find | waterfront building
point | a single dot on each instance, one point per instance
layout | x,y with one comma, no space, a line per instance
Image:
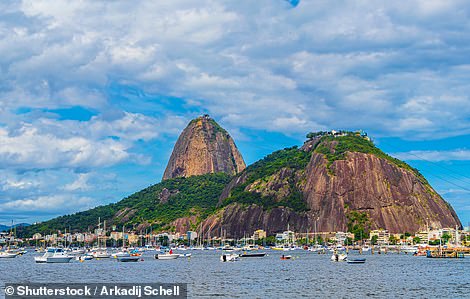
259,234
383,236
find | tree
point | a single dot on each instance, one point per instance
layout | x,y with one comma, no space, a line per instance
374,240
358,224
392,240
416,240
445,238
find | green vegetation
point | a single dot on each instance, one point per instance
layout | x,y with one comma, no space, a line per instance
405,236
392,240
416,240
445,238
335,148
195,195
374,240
358,224
291,158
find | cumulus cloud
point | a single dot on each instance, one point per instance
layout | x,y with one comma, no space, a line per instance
360,64
393,69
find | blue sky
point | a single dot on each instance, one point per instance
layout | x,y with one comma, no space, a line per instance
94,94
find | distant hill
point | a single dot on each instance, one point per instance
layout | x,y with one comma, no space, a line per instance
4,228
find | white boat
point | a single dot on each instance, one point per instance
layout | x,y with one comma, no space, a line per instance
85,257
101,254
250,247
339,257
229,257
7,255
77,251
166,256
185,254
316,248
54,255
120,254
408,249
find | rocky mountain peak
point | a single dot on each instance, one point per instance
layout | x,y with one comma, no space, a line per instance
204,147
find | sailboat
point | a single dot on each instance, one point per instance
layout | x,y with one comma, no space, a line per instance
101,253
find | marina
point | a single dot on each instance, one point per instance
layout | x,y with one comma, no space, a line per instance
383,275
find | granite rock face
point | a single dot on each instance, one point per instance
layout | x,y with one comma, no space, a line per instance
204,147
393,197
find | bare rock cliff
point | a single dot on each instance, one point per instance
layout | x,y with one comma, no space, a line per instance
391,194
204,147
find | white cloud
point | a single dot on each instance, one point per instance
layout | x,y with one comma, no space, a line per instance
356,65
435,156
52,203
393,69
30,148
81,183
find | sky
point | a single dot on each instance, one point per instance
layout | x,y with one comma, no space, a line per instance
93,94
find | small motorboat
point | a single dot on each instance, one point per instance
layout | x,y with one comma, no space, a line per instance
229,257
7,255
356,261
185,254
286,257
339,257
85,257
166,256
54,255
253,254
128,258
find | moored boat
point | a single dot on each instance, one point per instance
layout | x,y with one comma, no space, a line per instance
166,256
54,255
444,253
7,255
339,257
229,257
128,258
253,254
356,261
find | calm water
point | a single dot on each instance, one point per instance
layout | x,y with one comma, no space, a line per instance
309,275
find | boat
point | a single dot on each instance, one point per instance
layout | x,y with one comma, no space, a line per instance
166,256
85,257
408,249
253,254
444,253
54,255
286,257
339,257
77,251
128,258
184,254
356,261
101,254
7,255
250,247
229,257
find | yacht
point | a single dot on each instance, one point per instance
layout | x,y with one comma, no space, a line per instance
101,254
54,255
7,255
